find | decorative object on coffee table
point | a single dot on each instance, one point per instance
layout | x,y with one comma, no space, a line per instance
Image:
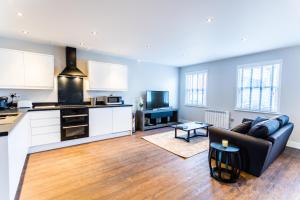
191,127
227,162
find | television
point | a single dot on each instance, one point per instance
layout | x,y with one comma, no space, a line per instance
157,99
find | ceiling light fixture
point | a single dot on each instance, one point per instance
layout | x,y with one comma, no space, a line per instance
94,33
25,32
209,20
81,44
20,14
244,39
148,46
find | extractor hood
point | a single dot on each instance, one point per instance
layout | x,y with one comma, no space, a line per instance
71,70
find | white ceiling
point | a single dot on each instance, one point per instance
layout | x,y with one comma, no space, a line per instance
170,32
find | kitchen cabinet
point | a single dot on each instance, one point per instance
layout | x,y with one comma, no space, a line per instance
38,70
26,70
44,127
100,121
107,76
122,119
12,69
18,143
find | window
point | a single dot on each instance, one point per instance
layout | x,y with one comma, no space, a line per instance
195,88
258,87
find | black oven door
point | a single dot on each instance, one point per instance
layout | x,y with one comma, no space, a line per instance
74,124
74,132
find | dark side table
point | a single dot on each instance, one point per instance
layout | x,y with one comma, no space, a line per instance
227,162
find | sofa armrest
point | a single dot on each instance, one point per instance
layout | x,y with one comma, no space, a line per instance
254,151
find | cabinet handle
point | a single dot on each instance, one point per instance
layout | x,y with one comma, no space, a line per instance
70,116
67,127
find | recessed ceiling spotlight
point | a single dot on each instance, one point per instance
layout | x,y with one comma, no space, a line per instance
209,20
94,33
20,14
81,44
25,32
244,39
148,46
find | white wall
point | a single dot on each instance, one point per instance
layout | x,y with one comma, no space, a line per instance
142,76
222,86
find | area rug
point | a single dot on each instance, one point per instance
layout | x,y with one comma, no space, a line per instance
179,147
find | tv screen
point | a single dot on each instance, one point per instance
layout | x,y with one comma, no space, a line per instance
157,99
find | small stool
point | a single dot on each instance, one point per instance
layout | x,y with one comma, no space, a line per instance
230,156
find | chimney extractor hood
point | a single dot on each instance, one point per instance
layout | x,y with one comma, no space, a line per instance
71,69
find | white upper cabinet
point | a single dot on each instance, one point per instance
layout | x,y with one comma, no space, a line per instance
12,69
39,70
25,70
107,76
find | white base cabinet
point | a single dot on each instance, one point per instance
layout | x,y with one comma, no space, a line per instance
44,127
100,121
122,119
109,120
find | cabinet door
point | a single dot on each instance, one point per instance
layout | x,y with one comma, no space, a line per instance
11,69
122,119
107,76
18,142
39,70
100,121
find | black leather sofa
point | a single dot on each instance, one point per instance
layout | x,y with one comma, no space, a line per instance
257,154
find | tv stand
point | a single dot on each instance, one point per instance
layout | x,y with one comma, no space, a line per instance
158,118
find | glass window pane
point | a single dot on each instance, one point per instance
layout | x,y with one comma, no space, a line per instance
256,76
239,98
276,75
275,100
200,81
255,98
245,99
240,74
200,93
195,81
267,76
246,77
265,99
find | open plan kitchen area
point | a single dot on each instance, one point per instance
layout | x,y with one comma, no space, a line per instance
28,127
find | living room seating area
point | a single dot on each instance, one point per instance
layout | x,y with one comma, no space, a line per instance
260,141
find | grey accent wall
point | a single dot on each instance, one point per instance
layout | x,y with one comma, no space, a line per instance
142,76
222,86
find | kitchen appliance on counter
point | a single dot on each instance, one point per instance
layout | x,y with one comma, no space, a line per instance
74,122
24,104
3,103
109,100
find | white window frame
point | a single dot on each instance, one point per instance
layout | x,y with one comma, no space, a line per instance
272,62
185,93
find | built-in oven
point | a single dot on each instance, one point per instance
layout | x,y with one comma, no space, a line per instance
74,123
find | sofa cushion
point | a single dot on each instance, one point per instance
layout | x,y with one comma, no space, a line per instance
243,127
282,119
258,120
264,129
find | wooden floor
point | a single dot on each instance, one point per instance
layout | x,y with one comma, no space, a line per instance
132,168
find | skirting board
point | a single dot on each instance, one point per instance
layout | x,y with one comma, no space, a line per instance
293,144
68,143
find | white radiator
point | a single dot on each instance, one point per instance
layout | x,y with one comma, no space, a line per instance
218,118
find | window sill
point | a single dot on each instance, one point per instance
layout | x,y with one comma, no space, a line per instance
197,106
260,112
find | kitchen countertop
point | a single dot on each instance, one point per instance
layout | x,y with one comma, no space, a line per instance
6,128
